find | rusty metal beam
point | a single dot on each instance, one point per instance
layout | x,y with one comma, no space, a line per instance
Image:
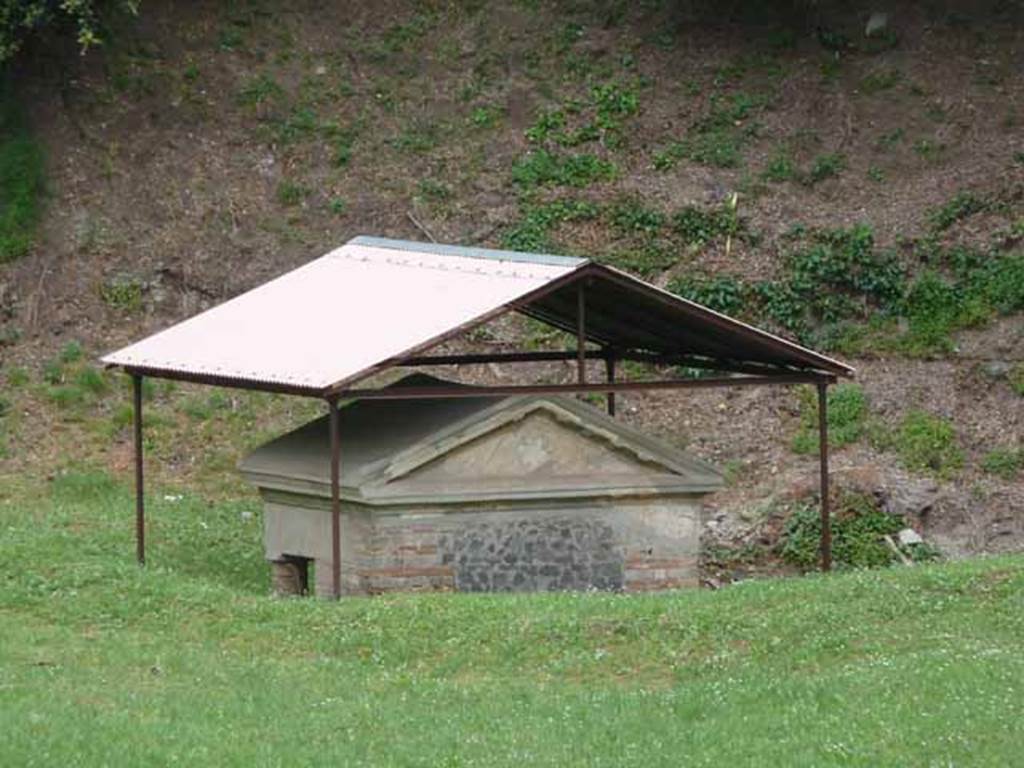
826,518
609,370
581,333
140,503
592,354
223,381
335,428
467,390
480,358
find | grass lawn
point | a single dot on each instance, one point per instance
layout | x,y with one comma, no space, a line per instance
190,662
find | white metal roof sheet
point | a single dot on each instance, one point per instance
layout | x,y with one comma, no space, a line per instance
344,313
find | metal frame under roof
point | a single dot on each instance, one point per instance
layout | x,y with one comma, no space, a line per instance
376,303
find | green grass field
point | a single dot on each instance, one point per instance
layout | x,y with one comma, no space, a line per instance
189,661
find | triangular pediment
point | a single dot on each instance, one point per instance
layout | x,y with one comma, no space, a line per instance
539,447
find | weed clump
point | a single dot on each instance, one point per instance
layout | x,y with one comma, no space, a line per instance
925,443
1016,379
722,293
533,232
859,527
1006,463
542,168
847,414
826,167
22,178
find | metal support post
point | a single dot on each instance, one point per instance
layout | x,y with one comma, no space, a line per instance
140,504
609,367
826,520
581,335
335,428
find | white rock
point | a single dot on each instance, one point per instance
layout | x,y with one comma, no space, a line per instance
876,23
909,536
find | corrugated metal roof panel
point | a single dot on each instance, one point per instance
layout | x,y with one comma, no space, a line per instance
340,315
373,300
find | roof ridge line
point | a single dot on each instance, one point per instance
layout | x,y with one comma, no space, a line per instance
468,252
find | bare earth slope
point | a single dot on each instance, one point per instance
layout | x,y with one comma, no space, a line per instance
212,146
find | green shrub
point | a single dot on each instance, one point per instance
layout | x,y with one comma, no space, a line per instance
880,80
541,168
837,277
718,139
91,380
22,178
722,293
599,118
975,287
960,207
648,258
1016,379
486,116
847,413
858,530
924,443
532,233
630,216
19,19
1007,463
71,352
123,293
780,167
17,377
417,138
433,190
667,158
290,193
67,396
697,226
825,167
259,89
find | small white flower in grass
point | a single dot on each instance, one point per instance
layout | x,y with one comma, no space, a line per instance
173,497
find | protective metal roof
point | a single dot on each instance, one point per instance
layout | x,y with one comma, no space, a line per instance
373,301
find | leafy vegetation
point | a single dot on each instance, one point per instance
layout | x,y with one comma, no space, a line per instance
599,119
1007,463
19,19
925,443
825,167
22,179
824,283
122,292
858,530
1016,379
961,206
698,226
837,290
532,233
541,168
102,659
780,167
720,136
847,416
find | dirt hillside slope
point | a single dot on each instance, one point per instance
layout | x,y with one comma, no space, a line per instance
761,163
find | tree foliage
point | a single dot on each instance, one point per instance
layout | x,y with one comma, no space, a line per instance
19,19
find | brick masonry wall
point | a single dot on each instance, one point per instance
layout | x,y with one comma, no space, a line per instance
631,544
622,545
